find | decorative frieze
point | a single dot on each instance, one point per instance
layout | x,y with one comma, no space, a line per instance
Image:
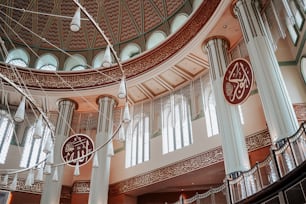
210,157
36,188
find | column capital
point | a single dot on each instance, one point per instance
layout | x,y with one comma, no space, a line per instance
104,96
216,37
65,100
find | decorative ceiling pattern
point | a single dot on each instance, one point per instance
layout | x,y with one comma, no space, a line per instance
122,21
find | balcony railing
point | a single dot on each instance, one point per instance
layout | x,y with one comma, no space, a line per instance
290,153
284,158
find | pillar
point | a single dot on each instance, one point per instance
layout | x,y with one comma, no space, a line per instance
52,189
100,175
234,148
278,109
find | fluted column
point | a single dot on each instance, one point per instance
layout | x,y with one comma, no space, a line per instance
278,110
230,129
52,189
100,175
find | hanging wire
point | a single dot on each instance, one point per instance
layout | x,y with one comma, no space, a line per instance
21,87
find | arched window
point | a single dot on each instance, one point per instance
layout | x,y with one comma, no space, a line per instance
178,21
6,132
196,4
18,57
47,62
155,38
138,139
75,62
33,148
176,123
129,51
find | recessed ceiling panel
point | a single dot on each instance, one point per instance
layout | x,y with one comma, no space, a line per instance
172,78
136,94
191,67
154,87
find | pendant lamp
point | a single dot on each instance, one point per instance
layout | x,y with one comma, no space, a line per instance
38,131
19,115
75,24
107,59
122,89
126,113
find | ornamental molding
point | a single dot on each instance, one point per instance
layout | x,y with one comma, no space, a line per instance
36,188
95,78
255,141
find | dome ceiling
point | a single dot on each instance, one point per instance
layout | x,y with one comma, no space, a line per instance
121,20
165,68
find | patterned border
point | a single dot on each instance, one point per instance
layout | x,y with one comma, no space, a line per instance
91,78
213,156
210,157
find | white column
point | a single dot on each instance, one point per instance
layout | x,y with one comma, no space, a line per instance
100,175
52,189
234,148
278,109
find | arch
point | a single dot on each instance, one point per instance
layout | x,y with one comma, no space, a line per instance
47,62
98,59
155,38
129,51
178,21
196,4
75,62
19,57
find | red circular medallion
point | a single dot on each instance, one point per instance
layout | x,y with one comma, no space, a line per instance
77,146
237,81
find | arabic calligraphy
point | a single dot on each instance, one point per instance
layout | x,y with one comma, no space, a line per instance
77,146
237,81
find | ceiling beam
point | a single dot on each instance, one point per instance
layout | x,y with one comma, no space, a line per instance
163,83
181,73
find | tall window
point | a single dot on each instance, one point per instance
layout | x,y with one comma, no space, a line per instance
6,133
176,123
137,140
33,148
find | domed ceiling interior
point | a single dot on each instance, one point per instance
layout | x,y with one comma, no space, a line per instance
43,27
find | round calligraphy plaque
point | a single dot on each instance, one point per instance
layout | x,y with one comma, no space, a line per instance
77,146
237,81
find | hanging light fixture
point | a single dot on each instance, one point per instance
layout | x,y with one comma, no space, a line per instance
19,115
77,169
122,88
126,114
107,59
95,163
13,185
38,131
48,145
55,174
29,178
122,133
47,169
5,180
40,174
75,24
50,158
110,149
